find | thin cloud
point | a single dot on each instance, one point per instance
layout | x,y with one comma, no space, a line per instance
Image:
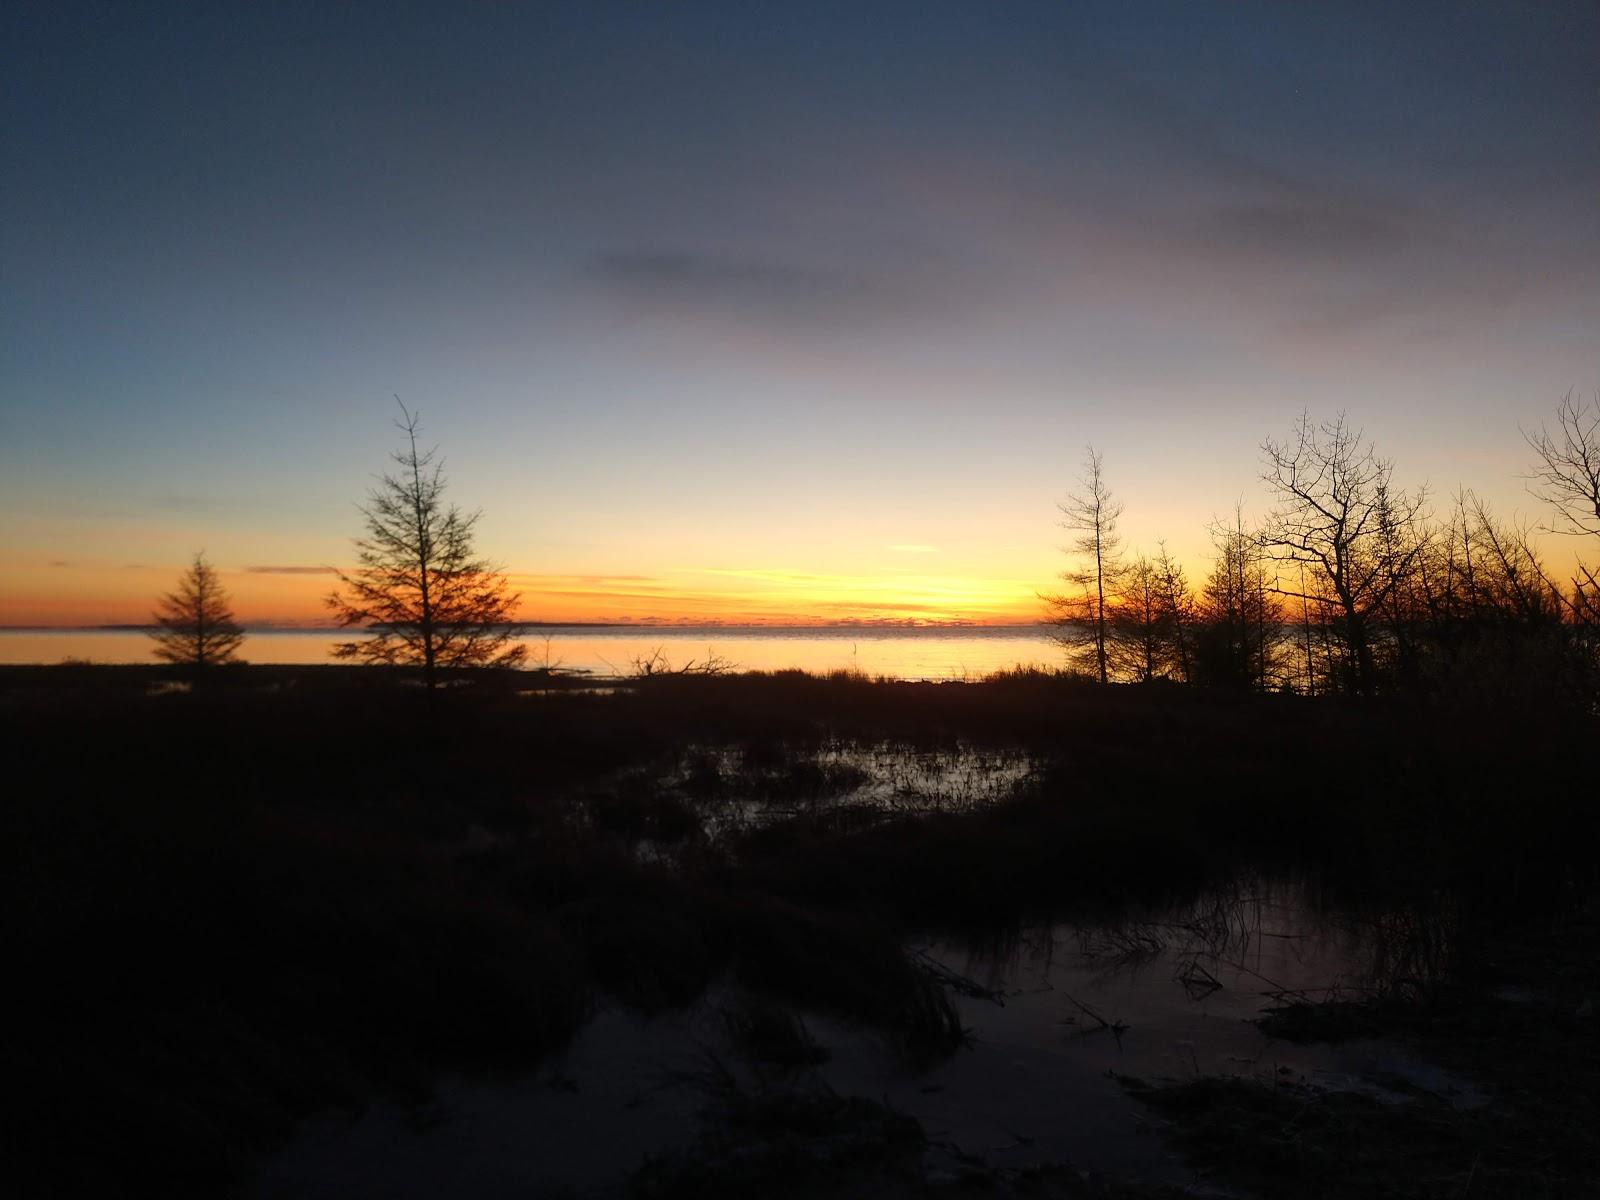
588,580
914,548
736,287
768,576
1307,227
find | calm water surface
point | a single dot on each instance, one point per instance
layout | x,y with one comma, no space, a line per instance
606,651
1058,1015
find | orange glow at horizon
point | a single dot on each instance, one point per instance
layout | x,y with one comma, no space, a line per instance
62,594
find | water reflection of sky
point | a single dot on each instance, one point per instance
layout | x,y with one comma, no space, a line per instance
1038,1084
901,653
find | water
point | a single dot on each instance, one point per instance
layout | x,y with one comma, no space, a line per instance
1056,1015
841,784
901,653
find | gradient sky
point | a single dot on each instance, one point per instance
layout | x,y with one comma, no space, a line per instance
763,311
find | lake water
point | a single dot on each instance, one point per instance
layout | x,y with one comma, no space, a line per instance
948,653
1059,1015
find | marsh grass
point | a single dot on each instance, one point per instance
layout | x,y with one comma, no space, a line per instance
1278,1137
340,888
791,1142
1533,1060
772,1035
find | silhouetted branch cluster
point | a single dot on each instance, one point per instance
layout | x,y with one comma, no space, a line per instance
1567,476
1239,639
656,663
1339,515
1349,584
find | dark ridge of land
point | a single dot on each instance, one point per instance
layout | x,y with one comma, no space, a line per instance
287,888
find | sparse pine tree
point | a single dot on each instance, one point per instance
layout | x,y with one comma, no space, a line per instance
194,624
1081,614
421,594
1178,605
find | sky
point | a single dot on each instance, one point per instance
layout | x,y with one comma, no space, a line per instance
761,312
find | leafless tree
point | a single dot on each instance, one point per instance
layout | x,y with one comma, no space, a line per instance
1150,621
1177,602
1138,626
1091,515
1489,619
194,624
1240,616
1508,578
1339,514
1567,476
421,594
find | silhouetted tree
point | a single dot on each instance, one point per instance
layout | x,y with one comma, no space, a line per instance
1340,516
421,594
195,626
1490,621
1140,628
1178,605
1568,479
1241,621
1091,514
1568,475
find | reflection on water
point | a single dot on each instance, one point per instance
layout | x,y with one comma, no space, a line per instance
1057,1015
952,653
843,785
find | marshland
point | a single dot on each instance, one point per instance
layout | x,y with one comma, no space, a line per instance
696,600
292,927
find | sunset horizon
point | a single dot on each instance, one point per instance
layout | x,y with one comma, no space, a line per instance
910,599
830,346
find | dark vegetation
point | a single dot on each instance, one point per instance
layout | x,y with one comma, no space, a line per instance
1352,583
243,895
1518,1015
289,888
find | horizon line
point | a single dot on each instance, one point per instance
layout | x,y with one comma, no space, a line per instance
270,626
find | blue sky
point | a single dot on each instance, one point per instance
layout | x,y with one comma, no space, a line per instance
690,293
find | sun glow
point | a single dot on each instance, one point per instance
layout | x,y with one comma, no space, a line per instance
76,594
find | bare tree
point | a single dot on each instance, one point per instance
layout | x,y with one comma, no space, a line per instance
1567,476
1140,627
1177,603
1339,514
1568,479
1241,621
1090,514
194,624
421,594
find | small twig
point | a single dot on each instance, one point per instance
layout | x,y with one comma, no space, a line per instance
1116,1027
957,982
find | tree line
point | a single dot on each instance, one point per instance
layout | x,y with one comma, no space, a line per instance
1350,583
420,594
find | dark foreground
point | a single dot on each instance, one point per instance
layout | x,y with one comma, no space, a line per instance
294,891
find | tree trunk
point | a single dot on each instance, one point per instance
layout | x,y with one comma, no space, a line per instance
1100,604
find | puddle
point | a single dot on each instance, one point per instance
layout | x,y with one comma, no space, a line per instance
587,1119
735,789
1056,1016
1165,998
